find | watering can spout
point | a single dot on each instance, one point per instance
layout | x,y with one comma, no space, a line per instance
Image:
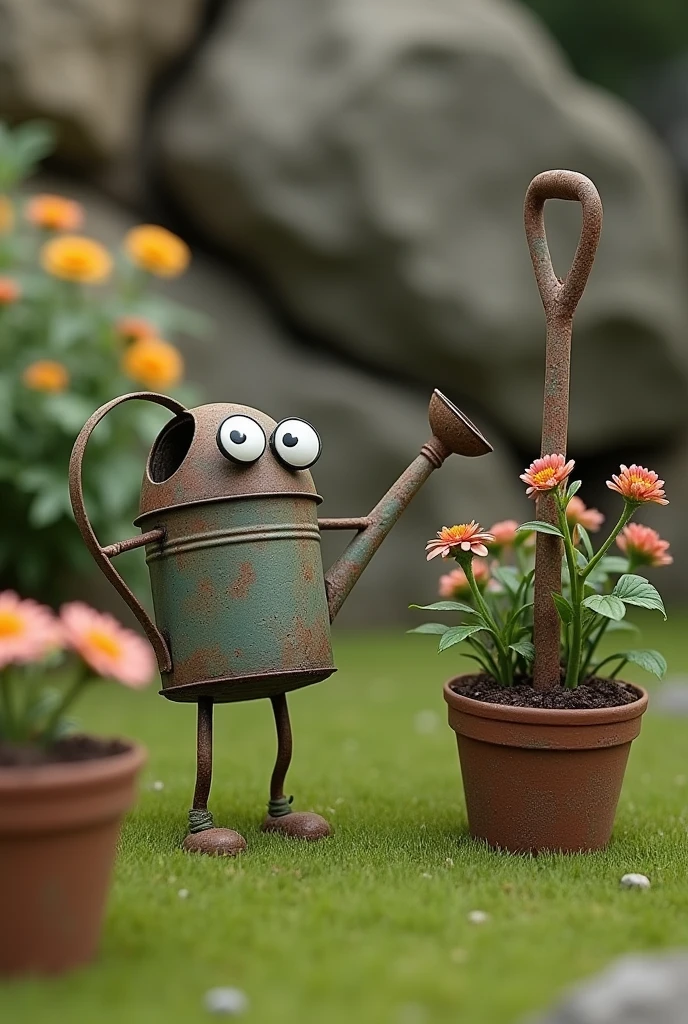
452,433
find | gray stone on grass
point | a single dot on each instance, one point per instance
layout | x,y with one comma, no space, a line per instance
638,989
634,880
228,1001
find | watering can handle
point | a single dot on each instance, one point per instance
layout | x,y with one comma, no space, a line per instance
560,298
102,555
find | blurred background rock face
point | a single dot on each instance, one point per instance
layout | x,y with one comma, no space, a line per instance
355,172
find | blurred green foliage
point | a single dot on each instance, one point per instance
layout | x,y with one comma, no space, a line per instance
617,42
73,325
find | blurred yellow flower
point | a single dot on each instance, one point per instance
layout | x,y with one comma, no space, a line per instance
46,375
54,213
9,291
157,250
76,258
6,215
153,362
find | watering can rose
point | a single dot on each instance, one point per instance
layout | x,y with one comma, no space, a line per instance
497,620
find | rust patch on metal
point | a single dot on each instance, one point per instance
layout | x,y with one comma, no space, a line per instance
245,579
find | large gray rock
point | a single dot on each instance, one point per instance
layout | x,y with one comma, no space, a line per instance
371,429
371,157
88,64
634,990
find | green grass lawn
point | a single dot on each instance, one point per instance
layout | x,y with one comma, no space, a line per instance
370,926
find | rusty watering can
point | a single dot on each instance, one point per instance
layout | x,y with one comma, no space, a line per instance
242,606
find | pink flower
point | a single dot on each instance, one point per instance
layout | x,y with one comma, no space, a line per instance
106,646
464,537
643,545
28,631
455,583
578,514
504,533
546,473
638,485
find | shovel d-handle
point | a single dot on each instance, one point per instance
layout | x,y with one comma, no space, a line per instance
559,300
102,555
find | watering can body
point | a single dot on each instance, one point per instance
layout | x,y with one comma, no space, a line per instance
229,521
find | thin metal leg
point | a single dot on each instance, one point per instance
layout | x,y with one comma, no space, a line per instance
200,817
279,804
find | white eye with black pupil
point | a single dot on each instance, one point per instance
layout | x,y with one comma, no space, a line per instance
241,439
296,444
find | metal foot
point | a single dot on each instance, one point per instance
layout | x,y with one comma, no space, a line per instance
215,842
299,825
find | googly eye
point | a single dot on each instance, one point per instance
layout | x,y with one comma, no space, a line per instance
296,444
241,439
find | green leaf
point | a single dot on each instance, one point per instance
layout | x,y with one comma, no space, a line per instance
606,604
613,564
49,506
585,537
525,648
446,606
564,608
651,661
508,576
457,634
438,628
636,590
538,527
573,489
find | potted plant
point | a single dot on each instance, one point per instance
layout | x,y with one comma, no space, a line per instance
544,727
62,794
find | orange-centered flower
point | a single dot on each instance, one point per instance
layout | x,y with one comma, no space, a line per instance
75,258
106,646
638,485
455,583
546,473
643,545
153,362
46,375
578,514
27,630
132,328
465,537
9,291
6,215
157,250
54,213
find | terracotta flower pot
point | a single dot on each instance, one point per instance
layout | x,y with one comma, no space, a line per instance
542,780
59,825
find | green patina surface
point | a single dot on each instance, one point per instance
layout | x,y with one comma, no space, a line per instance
371,926
239,589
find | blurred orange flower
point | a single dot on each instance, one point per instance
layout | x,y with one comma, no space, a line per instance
54,213
6,215
153,362
46,375
157,250
76,258
27,630
131,328
106,646
9,291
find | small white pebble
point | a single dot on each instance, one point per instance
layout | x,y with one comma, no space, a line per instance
635,881
231,1001
449,862
183,894
158,785
425,874
478,917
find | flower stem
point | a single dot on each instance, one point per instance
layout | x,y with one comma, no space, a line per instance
66,702
629,509
504,676
8,704
576,628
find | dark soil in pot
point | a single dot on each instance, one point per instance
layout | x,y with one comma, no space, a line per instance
64,751
538,773
594,692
